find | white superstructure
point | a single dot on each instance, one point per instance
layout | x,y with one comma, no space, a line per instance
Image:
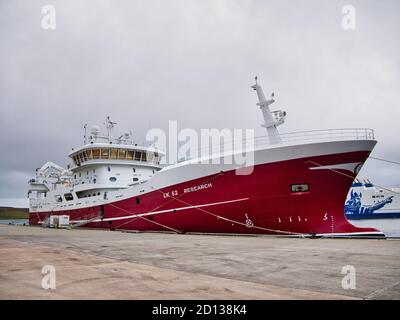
101,165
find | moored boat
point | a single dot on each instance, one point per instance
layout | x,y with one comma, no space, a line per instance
296,184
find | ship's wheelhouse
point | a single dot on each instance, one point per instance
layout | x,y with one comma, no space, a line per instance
121,153
112,166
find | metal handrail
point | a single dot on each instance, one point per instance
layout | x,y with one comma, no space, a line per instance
329,135
290,138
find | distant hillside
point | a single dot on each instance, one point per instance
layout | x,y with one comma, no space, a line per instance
13,213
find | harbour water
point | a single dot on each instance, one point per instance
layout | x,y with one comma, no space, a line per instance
390,227
15,221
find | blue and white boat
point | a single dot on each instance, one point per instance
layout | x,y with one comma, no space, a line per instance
367,201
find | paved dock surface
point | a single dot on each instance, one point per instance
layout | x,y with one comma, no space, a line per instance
98,264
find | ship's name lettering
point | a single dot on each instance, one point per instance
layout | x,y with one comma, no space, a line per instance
169,194
175,193
197,188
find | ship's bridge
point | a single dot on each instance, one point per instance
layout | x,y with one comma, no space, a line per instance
104,162
100,153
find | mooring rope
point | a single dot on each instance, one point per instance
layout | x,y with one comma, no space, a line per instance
218,217
160,206
351,177
384,160
238,222
140,217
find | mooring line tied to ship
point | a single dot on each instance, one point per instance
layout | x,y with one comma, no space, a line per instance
385,160
137,216
352,177
218,217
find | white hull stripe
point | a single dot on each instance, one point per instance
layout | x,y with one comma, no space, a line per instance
344,166
163,211
378,233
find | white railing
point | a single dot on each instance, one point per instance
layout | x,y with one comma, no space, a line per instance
104,139
291,138
324,135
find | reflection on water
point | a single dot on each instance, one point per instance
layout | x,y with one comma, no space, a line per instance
390,227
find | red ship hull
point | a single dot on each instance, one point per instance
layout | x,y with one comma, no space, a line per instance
260,203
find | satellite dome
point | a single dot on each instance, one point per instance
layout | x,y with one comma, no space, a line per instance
94,130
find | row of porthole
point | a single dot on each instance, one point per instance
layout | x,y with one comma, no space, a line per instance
87,173
113,179
109,169
91,195
134,170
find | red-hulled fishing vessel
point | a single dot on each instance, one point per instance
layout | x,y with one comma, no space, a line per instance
296,184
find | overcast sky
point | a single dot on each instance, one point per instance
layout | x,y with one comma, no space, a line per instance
147,62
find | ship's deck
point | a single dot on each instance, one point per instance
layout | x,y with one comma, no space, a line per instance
97,264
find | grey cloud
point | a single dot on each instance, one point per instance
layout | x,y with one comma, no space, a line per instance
147,62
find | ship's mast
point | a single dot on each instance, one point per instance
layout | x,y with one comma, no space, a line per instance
110,125
269,122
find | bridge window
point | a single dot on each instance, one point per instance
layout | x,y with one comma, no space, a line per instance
113,154
144,156
122,154
89,154
84,156
138,155
105,153
129,155
156,157
96,153
58,198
